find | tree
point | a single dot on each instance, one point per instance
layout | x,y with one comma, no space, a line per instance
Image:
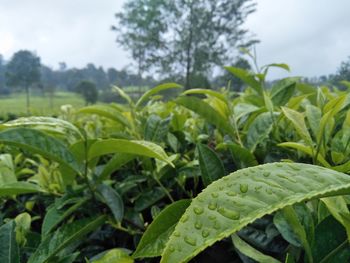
184,37
23,71
88,90
2,75
140,29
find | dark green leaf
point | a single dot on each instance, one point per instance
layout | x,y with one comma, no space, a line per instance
157,234
39,142
9,252
210,164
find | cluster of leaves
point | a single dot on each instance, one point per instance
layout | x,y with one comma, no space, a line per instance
150,179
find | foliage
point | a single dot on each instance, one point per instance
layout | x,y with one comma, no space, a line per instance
88,90
208,176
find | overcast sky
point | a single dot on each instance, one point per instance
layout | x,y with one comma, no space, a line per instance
313,37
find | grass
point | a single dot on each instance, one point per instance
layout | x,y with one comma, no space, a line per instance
40,105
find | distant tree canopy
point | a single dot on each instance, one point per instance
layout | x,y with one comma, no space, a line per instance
88,90
183,37
23,71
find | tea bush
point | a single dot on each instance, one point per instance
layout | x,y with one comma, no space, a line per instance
208,176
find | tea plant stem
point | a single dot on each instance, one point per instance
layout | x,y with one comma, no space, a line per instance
86,169
164,189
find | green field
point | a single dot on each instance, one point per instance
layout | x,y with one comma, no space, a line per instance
40,105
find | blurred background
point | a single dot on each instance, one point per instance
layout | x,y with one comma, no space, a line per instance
71,52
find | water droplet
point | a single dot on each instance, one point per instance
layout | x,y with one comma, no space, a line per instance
225,178
217,225
212,217
214,195
294,167
221,188
279,165
177,233
205,233
287,178
269,191
171,248
243,188
190,240
229,185
266,174
184,218
231,193
198,210
198,225
230,214
212,205
257,188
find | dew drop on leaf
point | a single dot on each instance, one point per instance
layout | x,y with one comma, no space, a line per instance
230,214
205,233
214,195
212,206
190,240
198,210
184,218
198,225
266,174
243,188
171,248
212,217
231,193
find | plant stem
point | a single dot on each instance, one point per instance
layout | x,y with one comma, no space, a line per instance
164,189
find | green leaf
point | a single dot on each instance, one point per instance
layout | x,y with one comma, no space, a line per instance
45,124
156,128
142,148
242,157
17,188
38,142
337,206
23,222
251,252
117,161
52,244
106,111
204,110
7,170
298,122
246,77
207,92
292,218
305,149
283,90
9,252
232,202
56,214
115,255
210,164
313,115
259,130
156,90
331,244
157,234
123,95
276,65
146,199
112,199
